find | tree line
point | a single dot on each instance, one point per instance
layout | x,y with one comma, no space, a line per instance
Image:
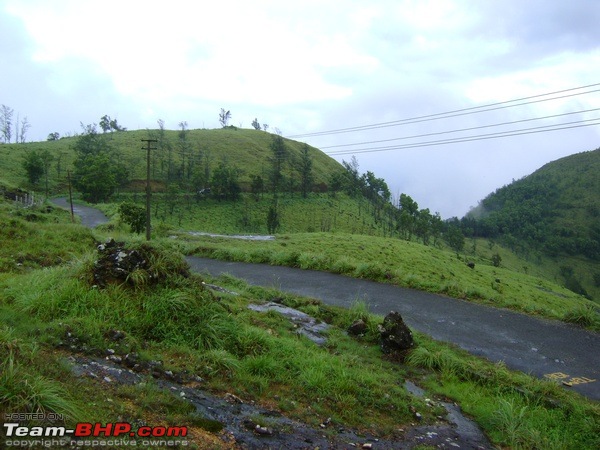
400,217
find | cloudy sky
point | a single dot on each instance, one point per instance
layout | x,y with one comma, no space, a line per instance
315,66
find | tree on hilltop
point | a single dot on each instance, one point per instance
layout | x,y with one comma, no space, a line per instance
224,117
6,114
107,124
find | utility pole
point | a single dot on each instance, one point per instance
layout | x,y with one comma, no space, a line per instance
148,147
71,196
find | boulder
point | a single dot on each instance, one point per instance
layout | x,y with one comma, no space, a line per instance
358,328
116,263
396,337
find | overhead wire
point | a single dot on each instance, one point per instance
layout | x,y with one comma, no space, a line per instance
460,129
455,113
533,130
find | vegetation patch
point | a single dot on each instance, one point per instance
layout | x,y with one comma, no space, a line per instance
408,264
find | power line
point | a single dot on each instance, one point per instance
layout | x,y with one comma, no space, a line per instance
460,129
455,113
542,129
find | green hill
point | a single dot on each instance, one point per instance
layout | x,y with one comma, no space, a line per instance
247,150
553,213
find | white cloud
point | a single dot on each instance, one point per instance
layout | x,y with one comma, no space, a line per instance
311,66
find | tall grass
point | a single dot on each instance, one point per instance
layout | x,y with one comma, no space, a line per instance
21,391
515,410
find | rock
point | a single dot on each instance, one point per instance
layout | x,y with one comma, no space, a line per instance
326,423
116,264
231,398
115,335
263,431
306,325
396,337
131,360
358,328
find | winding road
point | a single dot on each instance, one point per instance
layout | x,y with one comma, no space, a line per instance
90,217
542,348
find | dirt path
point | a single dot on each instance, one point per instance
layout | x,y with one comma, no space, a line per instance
544,348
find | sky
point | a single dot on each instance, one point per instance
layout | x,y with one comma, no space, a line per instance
316,66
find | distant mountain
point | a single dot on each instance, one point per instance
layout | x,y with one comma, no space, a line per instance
555,210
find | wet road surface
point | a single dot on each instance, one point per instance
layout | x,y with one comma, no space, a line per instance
542,348
90,217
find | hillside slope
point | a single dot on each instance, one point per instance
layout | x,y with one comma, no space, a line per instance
553,212
247,150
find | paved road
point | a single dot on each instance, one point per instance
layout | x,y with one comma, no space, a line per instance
536,346
90,217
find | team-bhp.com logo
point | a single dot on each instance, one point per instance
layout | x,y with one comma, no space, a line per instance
17,435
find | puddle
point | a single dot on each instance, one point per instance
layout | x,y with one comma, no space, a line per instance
468,430
234,236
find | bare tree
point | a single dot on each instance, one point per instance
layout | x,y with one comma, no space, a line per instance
224,117
25,125
6,114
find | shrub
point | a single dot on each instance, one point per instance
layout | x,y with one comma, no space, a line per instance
133,215
496,259
584,315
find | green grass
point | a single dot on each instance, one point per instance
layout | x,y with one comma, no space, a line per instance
513,409
48,311
221,335
409,264
39,237
247,149
317,213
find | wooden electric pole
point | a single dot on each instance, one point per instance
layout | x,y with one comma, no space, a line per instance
71,196
148,190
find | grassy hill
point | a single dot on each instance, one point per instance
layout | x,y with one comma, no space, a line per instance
551,217
247,150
